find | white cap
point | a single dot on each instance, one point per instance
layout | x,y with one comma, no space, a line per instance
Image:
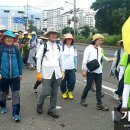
25,33
2,27
33,32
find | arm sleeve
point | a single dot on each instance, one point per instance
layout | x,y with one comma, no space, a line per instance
75,58
121,72
85,59
105,58
61,60
39,57
20,62
114,62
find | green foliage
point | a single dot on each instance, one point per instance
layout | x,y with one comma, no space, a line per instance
111,14
85,31
112,40
68,30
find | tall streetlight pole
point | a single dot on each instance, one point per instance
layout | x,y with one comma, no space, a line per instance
74,17
74,4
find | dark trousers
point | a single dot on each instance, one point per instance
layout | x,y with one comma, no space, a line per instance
37,84
15,87
120,87
98,81
68,83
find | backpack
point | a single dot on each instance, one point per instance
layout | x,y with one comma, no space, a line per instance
45,50
17,54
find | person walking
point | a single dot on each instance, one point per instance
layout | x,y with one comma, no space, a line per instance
10,74
51,60
70,66
92,70
32,52
41,41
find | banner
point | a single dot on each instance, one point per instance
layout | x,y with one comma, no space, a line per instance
18,20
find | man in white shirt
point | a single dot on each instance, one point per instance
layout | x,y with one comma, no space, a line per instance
93,53
52,72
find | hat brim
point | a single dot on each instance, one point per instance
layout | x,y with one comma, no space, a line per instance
68,38
48,33
42,37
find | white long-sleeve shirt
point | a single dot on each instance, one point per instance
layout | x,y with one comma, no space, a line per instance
115,61
90,54
52,61
68,57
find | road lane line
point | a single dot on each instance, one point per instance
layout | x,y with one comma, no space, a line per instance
103,86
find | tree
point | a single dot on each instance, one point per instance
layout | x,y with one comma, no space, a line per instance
111,14
32,27
85,30
68,30
69,22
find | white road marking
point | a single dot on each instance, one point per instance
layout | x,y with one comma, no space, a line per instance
103,86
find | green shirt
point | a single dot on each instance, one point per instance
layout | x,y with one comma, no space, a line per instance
124,62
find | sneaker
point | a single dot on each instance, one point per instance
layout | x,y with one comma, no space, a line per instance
8,97
70,95
101,107
83,103
64,95
17,118
53,114
35,91
39,109
116,97
3,110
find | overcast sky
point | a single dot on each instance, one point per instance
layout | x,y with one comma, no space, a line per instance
48,4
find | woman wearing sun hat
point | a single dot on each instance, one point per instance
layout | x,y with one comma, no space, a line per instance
92,67
69,55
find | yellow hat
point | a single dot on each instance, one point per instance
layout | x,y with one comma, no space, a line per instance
97,36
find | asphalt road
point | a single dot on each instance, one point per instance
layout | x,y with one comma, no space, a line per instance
72,115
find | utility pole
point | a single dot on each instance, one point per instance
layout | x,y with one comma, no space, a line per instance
27,14
74,17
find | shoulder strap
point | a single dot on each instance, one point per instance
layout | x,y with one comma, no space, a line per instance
118,56
44,51
58,46
1,50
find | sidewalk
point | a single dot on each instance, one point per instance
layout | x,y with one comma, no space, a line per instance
72,115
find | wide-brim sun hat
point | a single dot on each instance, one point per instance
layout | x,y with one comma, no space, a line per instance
97,36
120,43
51,30
44,36
9,34
2,27
68,36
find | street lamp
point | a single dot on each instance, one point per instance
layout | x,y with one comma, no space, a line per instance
74,4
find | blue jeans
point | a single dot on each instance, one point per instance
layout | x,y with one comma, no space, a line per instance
91,77
68,83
